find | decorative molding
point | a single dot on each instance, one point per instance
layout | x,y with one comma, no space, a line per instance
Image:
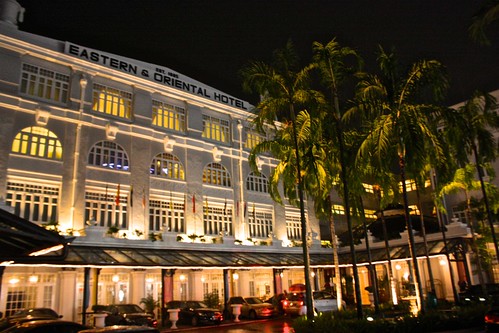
217,154
168,144
42,117
111,131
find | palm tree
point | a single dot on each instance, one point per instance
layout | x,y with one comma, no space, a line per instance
331,61
488,13
469,131
400,113
285,91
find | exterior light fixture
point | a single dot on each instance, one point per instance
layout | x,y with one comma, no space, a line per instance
33,278
235,276
14,280
115,278
398,267
47,250
182,277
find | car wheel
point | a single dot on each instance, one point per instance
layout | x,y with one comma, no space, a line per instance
252,315
194,321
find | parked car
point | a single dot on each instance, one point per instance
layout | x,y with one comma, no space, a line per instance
252,307
122,329
491,319
28,315
195,313
323,301
277,301
49,325
126,314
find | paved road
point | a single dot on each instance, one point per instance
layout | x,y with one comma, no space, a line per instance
278,325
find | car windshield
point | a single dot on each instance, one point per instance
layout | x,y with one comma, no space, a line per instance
129,308
253,300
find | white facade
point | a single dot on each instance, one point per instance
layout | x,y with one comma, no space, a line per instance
92,140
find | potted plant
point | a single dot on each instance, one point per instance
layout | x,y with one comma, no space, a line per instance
112,230
150,304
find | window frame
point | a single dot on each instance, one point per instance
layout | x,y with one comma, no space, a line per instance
175,116
44,83
112,101
216,129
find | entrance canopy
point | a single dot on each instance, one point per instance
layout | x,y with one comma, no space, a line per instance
27,242
144,257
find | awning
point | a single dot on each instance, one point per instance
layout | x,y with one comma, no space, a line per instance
27,242
87,256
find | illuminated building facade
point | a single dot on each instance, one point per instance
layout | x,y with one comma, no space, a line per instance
125,155
147,169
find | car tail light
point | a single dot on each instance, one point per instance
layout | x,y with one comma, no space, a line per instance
154,323
491,318
285,303
301,303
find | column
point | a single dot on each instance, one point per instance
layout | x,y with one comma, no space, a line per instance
167,291
137,285
67,293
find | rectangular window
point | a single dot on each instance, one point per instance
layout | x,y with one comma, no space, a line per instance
48,291
112,101
168,116
217,221
252,138
216,129
166,215
338,209
34,202
20,297
101,208
293,227
260,224
44,83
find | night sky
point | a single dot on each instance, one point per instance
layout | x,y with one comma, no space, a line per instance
211,40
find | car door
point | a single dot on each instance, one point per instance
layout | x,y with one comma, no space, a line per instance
324,302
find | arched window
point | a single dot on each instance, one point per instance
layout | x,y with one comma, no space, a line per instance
39,142
216,174
257,183
167,165
110,155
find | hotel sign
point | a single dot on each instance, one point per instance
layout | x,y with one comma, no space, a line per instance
161,75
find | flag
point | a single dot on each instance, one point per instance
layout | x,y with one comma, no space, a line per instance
254,213
193,203
245,208
225,207
130,196
237,208
206,204
117,200
143,199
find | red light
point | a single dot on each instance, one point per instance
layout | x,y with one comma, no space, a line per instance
301,303
490,318
285,303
